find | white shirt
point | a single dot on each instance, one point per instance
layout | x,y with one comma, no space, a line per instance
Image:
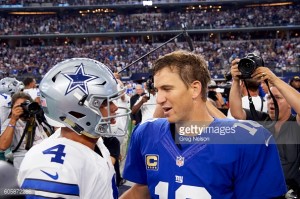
69,167
39,136
257,100
148,108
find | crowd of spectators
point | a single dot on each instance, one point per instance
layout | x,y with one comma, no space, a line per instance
85,2
282,56
74,22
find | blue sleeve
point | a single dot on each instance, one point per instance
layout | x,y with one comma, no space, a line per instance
260,175
135,170
47,187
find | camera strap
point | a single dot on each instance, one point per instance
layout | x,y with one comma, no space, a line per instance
251,104
19,144
30,131
254,112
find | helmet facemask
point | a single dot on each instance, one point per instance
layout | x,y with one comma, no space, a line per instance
9,85
104,127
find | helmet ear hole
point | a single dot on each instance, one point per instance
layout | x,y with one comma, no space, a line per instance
76,114
54,77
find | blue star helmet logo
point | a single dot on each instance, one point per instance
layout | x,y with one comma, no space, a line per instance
79,79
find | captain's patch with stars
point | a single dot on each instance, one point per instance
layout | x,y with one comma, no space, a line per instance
79,80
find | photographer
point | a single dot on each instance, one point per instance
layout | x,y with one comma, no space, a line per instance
146,102
285,129
8,86
21,130
252,90
137,116
215,95
295,83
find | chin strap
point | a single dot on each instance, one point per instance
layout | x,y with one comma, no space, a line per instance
254,112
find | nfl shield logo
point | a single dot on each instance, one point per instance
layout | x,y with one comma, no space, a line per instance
179,161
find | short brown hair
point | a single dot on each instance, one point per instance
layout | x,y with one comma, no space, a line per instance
19,95
252,84
190,67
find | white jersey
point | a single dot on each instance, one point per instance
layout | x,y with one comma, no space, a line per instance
60,167
5,107
33,92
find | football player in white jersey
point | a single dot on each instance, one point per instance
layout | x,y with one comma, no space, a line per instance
31,89
8,86
76,95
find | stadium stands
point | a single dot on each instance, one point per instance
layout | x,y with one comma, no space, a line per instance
35,37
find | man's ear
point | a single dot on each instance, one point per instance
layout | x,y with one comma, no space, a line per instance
196,87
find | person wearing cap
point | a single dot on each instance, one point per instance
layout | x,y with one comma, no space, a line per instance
295,83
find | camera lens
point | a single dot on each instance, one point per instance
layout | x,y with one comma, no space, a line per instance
30,108
246,67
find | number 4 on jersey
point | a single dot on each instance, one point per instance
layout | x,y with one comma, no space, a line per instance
58,152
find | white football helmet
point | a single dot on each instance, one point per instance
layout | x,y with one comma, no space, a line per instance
71,95
10,85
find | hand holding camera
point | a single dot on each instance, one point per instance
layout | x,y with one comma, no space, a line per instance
234,71
245,67
265,74
29,108
16,112
145,97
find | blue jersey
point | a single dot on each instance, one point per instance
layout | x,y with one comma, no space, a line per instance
248,167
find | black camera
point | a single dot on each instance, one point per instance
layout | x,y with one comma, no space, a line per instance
150,83
30,108
148,95
249,64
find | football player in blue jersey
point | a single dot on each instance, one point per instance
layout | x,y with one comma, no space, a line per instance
221,158
78,96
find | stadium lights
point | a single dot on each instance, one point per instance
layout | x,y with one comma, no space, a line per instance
147,3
